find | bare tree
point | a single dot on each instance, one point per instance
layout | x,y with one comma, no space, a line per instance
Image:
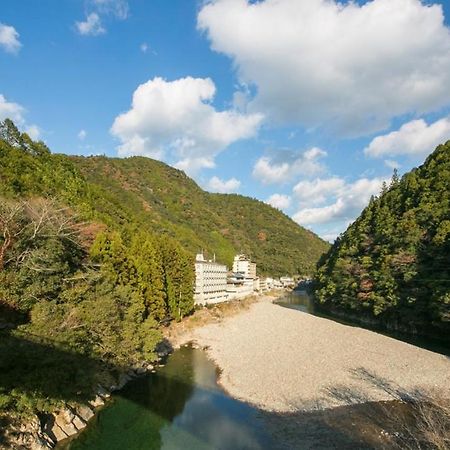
23,223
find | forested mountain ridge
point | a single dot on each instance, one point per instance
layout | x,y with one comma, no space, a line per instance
393,263
166,200
140,193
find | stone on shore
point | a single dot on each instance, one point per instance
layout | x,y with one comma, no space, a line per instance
285,360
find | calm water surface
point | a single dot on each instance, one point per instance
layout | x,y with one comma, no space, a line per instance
298,299
179,407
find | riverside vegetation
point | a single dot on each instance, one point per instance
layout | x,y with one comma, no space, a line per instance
96,253
392,265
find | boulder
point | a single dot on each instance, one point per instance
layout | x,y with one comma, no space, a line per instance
104,393
57,433
98,401
64,421
79,423
85,413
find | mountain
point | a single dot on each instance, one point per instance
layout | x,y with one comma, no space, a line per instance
142,194
392,265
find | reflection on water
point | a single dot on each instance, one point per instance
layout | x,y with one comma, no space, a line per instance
179,407
297,299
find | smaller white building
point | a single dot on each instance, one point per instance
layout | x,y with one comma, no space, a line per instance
210,281
287,282
238,286
242,264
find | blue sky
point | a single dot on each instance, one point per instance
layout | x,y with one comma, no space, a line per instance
306,104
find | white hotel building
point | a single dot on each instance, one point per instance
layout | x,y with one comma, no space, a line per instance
210,281
243,265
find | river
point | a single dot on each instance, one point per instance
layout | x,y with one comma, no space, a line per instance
182,406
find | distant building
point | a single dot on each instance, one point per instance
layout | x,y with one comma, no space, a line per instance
287,282
242,264
239,286
210,281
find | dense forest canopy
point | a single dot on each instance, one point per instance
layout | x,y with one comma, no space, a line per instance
393,262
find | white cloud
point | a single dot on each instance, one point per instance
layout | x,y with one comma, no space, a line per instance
11,110
279,201
96,11
144,47
317,191
9,38
215,184
33,131
392,164
345,200
341,65
175,121
330,237
415,138
284,165
92,26
82,135
15,112
117,8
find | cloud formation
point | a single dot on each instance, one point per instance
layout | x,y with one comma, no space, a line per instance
11,110
16,112
118,8
279,201
175,121
9,38
82,135
92,26
284,165
96,9
341,65
345,200
33,131
415,138
317,191
215,184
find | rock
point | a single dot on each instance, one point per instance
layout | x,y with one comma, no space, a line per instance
79,423
103,392
66,416
123,380
85,413
64,421
40,444
98,401
57,433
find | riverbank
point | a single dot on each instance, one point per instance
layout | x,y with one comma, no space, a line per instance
284,360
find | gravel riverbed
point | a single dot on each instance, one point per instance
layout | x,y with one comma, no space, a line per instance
285,360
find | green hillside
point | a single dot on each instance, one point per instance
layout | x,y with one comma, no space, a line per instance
392,265
167,201
140,193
